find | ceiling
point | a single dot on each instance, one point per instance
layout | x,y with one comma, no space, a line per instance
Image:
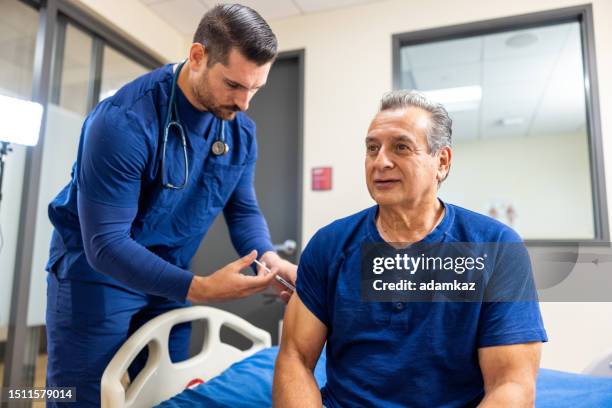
184,15
531,80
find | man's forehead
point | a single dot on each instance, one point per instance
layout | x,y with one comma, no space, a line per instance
403,120
243,71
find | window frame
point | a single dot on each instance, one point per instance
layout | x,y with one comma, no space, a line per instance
583,14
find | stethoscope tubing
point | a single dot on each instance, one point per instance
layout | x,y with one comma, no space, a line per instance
219,146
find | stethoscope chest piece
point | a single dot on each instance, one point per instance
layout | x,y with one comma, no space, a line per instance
219,148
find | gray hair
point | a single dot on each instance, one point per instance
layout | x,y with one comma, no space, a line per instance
440,126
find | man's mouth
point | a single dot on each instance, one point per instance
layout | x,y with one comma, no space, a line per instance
386,182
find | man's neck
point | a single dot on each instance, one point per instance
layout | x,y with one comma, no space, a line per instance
183,84
409,223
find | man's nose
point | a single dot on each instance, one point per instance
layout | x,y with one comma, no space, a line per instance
242,100
383,161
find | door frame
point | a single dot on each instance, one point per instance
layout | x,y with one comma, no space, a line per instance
300,55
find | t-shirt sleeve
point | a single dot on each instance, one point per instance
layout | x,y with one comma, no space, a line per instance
311,283
510,313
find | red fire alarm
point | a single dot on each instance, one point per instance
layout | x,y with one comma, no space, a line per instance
321,178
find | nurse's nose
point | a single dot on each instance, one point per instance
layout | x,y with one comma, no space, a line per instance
242,99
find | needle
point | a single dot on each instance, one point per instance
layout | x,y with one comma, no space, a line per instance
278,278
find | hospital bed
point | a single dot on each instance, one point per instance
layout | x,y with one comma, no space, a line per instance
161,379
235,378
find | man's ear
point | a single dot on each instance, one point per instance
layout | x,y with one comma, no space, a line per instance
445,156
198,57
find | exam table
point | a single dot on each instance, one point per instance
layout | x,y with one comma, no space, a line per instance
229,377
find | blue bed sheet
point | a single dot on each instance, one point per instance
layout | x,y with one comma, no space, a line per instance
248,384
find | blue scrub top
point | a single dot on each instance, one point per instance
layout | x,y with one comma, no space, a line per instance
115,222
406,354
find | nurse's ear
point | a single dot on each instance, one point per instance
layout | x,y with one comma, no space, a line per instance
198,57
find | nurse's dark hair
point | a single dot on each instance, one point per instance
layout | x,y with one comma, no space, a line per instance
440,130
226,26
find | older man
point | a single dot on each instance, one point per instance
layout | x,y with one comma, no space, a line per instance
398,354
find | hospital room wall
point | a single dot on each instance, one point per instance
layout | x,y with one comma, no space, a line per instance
348,68
137,22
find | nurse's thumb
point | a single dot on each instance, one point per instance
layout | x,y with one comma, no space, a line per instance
246,260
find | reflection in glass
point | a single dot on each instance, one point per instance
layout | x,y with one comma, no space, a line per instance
75,70
520,140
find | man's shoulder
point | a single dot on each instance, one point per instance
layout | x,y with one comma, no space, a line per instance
471,226
142,90
133,107
344,231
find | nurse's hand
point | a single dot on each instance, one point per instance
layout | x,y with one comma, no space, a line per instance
285,269
228,283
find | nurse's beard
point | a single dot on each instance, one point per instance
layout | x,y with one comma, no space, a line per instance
207,100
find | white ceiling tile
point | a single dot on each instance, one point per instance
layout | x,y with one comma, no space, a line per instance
447,76
562,108
512,102
148,2
526,69
184,15
550,40
309,6
465,124
444,53
271,9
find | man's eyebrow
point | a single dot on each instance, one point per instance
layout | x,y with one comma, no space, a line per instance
396,138
238,84
403,138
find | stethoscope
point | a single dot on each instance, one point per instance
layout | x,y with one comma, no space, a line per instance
219,147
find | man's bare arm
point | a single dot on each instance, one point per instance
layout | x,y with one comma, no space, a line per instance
301,344
509,374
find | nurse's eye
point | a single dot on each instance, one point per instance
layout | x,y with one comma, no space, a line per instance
232,85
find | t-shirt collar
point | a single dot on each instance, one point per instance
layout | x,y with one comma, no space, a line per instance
437,235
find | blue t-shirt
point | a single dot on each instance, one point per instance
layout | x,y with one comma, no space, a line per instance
115,222
398,354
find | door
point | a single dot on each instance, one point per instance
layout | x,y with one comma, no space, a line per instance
277,112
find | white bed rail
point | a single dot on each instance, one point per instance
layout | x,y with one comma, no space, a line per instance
161,379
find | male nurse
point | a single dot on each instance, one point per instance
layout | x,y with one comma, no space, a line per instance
157,162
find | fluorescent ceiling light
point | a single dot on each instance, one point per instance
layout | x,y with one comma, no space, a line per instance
19,121
457,99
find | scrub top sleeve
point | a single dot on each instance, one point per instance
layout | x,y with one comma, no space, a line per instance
110,249
511,312
311,283
113,159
